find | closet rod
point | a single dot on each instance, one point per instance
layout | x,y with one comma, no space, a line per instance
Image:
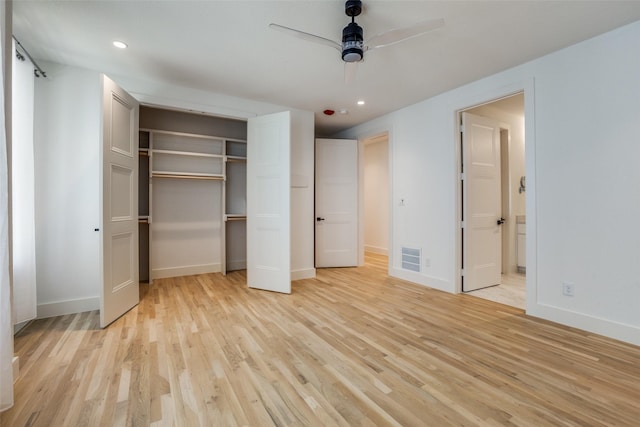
35,64
237,218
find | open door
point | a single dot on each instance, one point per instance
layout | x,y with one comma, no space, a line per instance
120,286
268,202
336,202
482,250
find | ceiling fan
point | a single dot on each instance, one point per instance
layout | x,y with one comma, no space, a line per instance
353,45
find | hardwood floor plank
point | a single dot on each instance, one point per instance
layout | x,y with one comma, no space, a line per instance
351,347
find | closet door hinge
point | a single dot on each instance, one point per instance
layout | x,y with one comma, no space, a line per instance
462,224
462,272
463,176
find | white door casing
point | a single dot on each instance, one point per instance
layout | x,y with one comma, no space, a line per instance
482,238
336,203
268,202
120,286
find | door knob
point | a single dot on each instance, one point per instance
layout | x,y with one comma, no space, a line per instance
501,221
319,219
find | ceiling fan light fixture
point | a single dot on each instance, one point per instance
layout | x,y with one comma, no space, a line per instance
352,55
352,43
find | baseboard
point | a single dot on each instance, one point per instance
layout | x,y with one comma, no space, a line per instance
189,270
18,327
607,328
306,273
61,308
16,368
376,250
417,278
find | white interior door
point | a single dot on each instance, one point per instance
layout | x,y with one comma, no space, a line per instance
268,202
482,238
120,286
336,203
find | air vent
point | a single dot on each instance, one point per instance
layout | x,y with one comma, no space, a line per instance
411,259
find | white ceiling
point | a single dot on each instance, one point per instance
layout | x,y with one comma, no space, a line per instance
226,46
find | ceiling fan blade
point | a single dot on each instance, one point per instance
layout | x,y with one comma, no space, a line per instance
306,36
401,34
350,72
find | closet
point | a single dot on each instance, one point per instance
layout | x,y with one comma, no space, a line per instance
179,224
192,194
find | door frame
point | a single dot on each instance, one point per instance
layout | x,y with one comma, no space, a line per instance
525,86
361,143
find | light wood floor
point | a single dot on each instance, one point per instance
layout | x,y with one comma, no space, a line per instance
351,347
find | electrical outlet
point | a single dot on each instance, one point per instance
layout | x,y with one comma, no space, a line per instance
427,262
568,289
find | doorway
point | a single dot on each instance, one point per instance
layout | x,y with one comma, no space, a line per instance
375,166
508,116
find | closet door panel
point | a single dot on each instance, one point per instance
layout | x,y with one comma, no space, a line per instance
120,287
268,203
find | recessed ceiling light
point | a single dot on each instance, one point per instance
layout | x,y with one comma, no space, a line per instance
119,44
361,102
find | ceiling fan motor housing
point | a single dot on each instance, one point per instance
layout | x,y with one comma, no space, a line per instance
352,43
353,7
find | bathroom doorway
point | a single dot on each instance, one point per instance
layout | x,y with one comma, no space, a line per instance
509,284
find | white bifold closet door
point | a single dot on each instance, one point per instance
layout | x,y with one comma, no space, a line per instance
120,286
268,202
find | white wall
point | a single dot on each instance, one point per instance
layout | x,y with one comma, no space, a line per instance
67,189
186,241
581,108
376,197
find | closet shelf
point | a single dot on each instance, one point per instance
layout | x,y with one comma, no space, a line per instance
194,135
187,153
187,134
187,175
